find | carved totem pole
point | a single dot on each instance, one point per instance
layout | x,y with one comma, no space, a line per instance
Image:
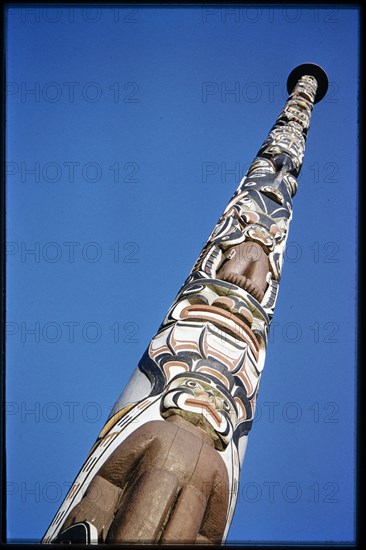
165,467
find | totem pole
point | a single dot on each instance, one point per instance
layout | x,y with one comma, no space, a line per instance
165,467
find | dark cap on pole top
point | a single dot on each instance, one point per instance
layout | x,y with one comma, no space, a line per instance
310,69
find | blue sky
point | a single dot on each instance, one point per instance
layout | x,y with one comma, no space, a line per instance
127,132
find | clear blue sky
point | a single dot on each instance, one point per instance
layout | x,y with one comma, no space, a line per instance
127,132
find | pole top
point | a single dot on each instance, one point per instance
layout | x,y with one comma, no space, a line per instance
313,70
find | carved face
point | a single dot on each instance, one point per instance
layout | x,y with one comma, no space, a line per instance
203,403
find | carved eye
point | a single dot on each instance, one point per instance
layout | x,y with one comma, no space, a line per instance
226,405
190,383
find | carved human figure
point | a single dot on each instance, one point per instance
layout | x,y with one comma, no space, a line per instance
246,265
166,483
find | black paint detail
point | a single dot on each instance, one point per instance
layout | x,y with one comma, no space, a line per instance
153,372
79,533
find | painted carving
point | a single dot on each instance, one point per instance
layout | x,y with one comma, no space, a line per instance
166,466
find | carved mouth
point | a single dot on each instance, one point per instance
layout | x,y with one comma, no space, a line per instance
223,319
204,404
